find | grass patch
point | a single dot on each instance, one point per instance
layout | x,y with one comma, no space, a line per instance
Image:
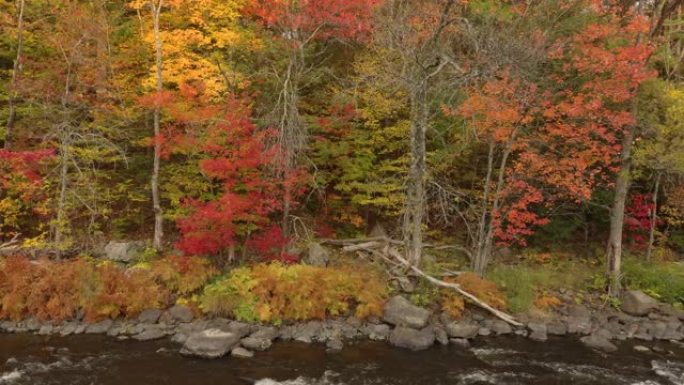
663,280
525,282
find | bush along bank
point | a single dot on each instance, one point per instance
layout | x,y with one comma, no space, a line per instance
246,310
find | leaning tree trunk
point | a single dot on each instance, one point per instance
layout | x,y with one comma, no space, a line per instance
654,218
9,128
617,215
156,203
415,197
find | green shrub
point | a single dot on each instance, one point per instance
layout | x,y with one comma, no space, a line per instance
275,293
664,280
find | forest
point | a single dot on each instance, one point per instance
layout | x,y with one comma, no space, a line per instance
514,149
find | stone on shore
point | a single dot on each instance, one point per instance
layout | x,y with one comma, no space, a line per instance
598,342
210,343
466,329
637,303
413,339
400,312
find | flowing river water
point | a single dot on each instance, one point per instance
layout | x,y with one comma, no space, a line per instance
97,360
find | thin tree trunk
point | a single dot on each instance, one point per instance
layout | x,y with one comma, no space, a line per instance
477,263
654,218
158,213
9,129
64,158
617,215
415,204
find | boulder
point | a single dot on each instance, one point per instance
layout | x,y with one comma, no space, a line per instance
317,255
378,332
413,339
149,316
637,303
210,343
399,311
150,333
241,352
125,252
101,327
307,332
538,331
270,333
598,342
441,335
460,342
181,313
458,329
254,343
500,327
334,345
557,328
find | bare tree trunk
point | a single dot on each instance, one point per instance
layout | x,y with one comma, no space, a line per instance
617,214
15,71
654,218
478,261
64,158
415,204
158,213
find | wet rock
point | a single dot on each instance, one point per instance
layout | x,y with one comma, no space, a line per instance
334,344
460,342
413,339
399,311
210,343
68,328
317,255
500,327
180,337
257,344
101,327
441,335
636,302
484,332
8,326
307,332
150,333
181,313
378,332
115,330
122,251
46,330
597,342
149,316
641,349
538,331
557,328
241,352
267,332
32,324
463,329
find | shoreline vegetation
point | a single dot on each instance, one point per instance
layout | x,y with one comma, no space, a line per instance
245,309
231,172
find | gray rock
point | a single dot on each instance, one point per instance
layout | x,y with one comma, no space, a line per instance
578,311
378,332
597,342
460,342
152,333
399,311
149,316
557,328
413,339
181,313
101,327
32,324
258,344
115,330
241,352
68,328
210,343
268,332
46,330
637,303
500,327
465,329
641,349
180,337
8,326
239,328
122,251
538,331
307,332
334,345
441,335
317,255
579,325
484,332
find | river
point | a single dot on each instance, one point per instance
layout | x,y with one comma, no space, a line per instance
97,360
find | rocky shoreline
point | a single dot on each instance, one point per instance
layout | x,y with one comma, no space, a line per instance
403,325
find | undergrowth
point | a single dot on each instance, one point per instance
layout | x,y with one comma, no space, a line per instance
275,293
663,280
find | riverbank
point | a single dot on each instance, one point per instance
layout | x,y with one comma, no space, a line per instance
402,324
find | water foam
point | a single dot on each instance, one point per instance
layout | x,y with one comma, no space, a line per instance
10,377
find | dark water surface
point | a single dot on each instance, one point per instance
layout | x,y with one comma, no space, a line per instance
97,360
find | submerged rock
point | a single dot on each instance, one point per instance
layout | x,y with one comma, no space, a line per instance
399,311
241,352
210,343
413,339
598,342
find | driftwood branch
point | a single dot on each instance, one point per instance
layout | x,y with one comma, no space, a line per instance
355,244
471,298
11,244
